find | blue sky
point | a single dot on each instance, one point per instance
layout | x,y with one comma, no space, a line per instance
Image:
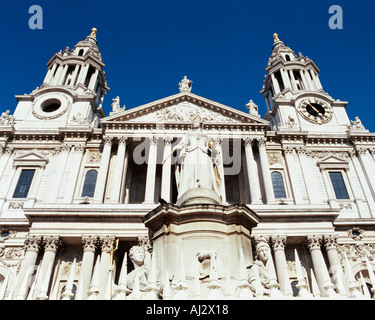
222,46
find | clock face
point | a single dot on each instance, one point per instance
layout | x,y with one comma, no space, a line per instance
315,110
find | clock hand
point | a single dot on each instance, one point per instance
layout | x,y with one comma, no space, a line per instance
315,109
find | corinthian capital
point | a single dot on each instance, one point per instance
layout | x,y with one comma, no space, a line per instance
89,242
33,243
107,242
51,243
262,142
330,241
278,242
314,242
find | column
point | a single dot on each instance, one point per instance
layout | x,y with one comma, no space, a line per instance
275,84
49,74
292,80
51,244
330,244
93,80
32,245
7,151
77,155
83,74
75,75
252,172
89,247
105,260
120,172
166,170
278,244
363,181
285,77
103,171
368,166
270,197
58,173
151,172
309,79
218,148
61,75
316,80
289,159
320,270
304,80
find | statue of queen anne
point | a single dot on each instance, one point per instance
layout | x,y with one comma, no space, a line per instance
197,168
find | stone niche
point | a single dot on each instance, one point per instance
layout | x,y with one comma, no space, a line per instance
181,236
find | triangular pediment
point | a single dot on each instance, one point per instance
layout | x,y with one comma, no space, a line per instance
32,158
333,162
184,108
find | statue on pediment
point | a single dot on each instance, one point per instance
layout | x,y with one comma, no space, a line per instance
357,124
253,108
185,85
6,118
116,105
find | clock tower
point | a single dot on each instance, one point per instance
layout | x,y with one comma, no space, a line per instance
72,92
295,97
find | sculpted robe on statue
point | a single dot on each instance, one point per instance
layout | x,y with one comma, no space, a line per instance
197,167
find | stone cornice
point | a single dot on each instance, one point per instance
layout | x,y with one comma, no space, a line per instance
57,57
170,213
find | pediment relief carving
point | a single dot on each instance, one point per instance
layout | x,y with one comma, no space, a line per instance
186,112
185,107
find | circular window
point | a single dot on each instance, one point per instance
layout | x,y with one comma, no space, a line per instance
50,105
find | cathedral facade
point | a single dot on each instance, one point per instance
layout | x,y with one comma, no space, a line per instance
184,197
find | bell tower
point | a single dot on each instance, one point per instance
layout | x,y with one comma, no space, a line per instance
72,91
295,97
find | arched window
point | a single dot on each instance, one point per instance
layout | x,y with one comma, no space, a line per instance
287,58
80,53
278,185
90,183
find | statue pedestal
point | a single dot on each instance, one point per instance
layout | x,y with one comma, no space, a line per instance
199,196
182,234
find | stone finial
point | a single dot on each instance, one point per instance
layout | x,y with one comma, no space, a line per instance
185,85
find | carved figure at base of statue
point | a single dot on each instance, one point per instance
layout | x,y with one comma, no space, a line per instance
137,255
258,270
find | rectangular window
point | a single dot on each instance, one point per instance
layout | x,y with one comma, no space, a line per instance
24,183
338,184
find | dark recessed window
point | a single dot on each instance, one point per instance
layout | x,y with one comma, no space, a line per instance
24,183
51,105
5,234
90,183
278,185
338,184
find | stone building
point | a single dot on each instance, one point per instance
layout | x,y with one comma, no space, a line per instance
184,197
